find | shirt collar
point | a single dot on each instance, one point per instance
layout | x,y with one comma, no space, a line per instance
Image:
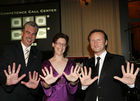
102,56
24,47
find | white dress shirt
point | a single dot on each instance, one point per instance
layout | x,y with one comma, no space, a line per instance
101,61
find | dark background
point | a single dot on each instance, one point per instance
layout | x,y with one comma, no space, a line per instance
54,22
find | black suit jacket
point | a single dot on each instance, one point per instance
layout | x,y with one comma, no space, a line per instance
108,89
14,53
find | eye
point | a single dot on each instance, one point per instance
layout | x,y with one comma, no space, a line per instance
27,32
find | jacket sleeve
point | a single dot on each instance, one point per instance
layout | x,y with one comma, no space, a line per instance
7,58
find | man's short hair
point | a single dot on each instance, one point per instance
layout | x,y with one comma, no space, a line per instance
31,23
97,30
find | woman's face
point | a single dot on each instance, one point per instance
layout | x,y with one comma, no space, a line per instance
59,46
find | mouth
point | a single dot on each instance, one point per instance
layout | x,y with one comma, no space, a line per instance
29,39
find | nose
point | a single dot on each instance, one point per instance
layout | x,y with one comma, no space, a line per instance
95,42
31,35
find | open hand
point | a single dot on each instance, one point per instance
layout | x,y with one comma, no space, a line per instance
85,77
129,76
12,75
73,76
33,81
48,77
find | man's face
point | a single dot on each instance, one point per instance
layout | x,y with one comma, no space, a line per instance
98,42
28,35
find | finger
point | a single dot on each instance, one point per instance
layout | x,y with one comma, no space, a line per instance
5,72
137,71
123,71
82,72
13,69
9,69
71,70
128,67
80,76
94,79
132,68
21,77
51,71
42,77
89,73
36,77
46,70
76,67
85,69
30,77
78,70
44,73
65,74
18,69
24,83
58,76
118,78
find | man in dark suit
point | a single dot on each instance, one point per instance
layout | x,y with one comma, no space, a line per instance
104,83
19,68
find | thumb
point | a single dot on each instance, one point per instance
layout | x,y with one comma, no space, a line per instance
117,78
24,83
58,76
65,74
21,77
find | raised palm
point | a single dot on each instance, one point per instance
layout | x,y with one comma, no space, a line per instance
33,81
73,76
85,77
12,75
48,76
129,76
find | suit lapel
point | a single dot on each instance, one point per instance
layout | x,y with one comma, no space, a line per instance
21,53
32,56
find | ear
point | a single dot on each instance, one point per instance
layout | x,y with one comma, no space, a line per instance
53,44
21,33
106,42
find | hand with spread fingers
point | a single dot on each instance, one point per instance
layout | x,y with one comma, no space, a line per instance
12,75
48,77
129,76
85,77
73,76
33,81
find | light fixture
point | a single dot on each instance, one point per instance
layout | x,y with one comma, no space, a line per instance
85,2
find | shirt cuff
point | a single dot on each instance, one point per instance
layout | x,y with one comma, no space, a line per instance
84,87
131,86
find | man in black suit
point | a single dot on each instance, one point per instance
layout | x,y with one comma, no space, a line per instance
108,85
19,72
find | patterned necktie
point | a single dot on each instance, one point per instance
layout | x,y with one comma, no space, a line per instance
97,66
26,55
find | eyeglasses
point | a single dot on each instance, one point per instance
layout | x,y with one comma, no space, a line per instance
60,44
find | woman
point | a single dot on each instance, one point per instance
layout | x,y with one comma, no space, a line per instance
59,75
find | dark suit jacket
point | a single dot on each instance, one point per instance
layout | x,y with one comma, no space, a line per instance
108,89
14,53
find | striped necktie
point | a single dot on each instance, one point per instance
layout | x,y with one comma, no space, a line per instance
26,55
